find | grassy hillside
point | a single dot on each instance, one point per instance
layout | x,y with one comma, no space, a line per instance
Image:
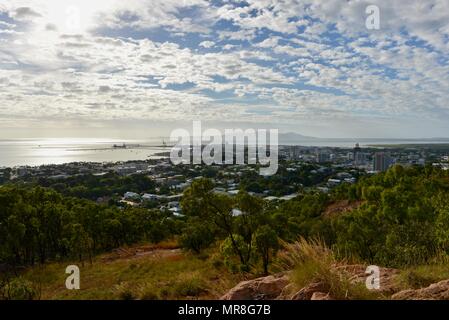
162,271
153,273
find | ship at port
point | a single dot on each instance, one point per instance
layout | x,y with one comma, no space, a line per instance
117,146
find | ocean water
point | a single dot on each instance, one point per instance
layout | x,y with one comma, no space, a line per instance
35,152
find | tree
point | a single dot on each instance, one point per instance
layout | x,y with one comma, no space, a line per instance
197,235
251,217
228,250
80,243
267,244
200,200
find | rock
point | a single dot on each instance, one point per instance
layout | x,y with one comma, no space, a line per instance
356,273
278,286
320,296
287,292
266,288
307,292
436,291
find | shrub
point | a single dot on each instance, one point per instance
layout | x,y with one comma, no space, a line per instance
125,292
19,289
230,254
189,287
150,292
196,237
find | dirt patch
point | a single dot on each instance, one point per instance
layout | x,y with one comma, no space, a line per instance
156,251
340,207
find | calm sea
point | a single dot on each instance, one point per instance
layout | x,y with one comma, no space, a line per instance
35,152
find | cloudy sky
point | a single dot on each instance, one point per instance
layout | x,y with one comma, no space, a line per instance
138,68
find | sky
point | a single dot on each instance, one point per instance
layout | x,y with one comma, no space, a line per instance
141,68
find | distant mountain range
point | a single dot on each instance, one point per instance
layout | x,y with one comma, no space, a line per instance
296,137
293,138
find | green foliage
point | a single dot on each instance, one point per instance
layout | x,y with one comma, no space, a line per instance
302,217
403,221
197,235
228,250
189,287
284,181
92,187
18,289
266,243
215,211
39,224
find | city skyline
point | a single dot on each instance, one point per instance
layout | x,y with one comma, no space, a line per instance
144,68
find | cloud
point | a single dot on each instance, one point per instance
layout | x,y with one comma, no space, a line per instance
281,62
207,44
24,13
4,24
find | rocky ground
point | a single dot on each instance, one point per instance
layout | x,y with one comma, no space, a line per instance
279,287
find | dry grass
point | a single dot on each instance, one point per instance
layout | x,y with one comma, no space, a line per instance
311,261
422,276
174,276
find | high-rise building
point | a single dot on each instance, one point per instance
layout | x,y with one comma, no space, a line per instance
382,161
323,156
358,157
356,150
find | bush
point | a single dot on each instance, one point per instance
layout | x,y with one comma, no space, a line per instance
125,292
150,292
189,287
197,236
19,289
229,252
